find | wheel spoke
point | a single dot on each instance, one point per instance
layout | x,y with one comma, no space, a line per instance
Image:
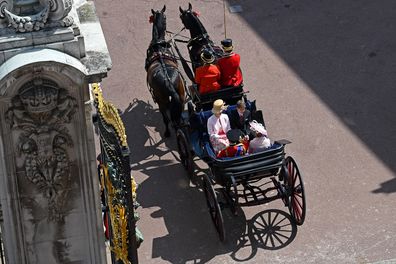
298,202
285,230
277,238
266,239
281,235
264,222
260,224
272,241
296,211
298,194
283,219
294,175
273,221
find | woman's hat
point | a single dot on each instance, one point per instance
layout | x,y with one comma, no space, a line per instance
218,106
207,56
234,135
258,128
227,45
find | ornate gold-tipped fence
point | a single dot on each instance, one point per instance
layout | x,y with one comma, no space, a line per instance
2,255
117,184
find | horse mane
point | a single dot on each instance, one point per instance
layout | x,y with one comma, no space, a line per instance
201,26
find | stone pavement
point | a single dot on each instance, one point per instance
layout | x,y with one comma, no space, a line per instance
324,74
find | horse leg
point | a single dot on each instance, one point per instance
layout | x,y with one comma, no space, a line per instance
166,122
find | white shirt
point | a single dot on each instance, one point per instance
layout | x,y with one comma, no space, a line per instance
258,144
215,124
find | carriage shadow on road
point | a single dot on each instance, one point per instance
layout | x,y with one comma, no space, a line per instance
271,229
191,236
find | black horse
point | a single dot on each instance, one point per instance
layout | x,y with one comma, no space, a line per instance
199,37
163,77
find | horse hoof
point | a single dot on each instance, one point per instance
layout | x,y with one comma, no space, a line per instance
167,134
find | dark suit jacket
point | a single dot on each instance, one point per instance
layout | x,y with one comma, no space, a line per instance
236,123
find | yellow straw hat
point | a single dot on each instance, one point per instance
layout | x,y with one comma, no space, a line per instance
218,106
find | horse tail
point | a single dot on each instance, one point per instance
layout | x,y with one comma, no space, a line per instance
176,104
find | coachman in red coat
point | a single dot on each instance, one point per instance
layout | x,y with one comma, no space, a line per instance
207,76
231,74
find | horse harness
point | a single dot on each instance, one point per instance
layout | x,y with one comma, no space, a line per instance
159,56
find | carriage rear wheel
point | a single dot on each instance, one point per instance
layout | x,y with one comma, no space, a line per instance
214,206
186,156
297,205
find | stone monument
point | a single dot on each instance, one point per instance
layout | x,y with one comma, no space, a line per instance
50,52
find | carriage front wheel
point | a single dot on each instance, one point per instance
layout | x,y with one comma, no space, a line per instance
297,205
214,206
185,153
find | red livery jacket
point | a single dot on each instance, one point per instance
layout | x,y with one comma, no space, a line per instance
231,74
207,77
234,150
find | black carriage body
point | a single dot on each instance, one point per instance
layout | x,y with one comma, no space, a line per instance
230,95
248,168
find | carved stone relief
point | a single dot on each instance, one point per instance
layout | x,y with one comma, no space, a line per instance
5,5
39,117
48,10
39,113
28,23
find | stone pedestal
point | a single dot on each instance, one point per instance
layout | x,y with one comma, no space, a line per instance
48,180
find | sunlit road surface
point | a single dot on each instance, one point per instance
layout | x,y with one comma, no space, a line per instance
324,76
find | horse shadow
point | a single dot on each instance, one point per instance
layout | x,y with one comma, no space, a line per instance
142,123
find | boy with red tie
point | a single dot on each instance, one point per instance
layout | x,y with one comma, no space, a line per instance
238,145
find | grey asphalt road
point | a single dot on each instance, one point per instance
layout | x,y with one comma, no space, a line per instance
324,73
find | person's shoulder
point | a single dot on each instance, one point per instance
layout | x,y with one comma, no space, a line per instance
199,69
214,66
211,118
233,112
236,56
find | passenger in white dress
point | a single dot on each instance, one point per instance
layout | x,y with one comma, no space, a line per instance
218,126
261,141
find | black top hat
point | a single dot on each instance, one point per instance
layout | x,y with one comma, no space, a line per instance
234,135
227,44
207,56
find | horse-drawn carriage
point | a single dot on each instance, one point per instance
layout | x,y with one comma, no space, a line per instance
239,179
